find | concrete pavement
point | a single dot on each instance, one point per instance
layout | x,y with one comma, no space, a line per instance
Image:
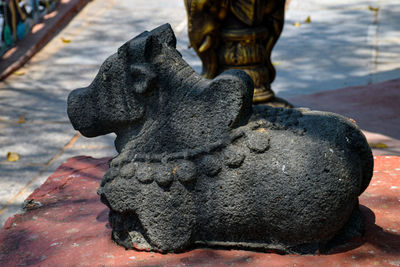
344,45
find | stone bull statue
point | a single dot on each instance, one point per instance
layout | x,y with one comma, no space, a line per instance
198,165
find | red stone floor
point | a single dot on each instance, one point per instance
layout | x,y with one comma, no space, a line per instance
69,228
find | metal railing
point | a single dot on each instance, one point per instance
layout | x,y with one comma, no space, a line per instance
17,18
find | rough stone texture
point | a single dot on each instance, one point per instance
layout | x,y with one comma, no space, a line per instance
199,166
65,224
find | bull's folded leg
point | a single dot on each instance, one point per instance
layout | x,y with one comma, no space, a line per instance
128,232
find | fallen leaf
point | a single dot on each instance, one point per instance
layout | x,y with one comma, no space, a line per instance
296,24
374,9
19,72
377,145
21,118
65,40
308,20
12,156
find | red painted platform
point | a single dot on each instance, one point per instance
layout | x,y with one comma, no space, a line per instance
66,225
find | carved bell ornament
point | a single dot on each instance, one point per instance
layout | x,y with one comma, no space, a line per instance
237,34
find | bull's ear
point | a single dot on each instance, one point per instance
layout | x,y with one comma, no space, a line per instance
143,78
231,94
165,34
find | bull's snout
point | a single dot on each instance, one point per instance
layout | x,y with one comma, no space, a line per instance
81,113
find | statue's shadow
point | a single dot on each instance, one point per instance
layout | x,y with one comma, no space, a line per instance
374,235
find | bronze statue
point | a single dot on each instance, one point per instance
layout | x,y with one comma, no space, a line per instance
238,34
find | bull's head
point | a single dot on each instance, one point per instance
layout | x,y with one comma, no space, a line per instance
115,98
147,86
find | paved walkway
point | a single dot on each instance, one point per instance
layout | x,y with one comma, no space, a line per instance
344,45
347,43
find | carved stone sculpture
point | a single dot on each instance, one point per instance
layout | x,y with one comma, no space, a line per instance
238,34
198,165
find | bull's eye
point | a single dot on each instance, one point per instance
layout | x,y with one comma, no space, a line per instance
143,77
